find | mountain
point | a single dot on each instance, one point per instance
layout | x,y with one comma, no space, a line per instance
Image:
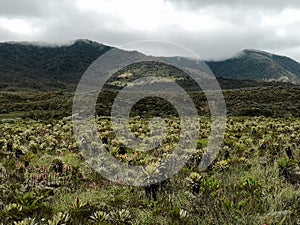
251,65
37,66
259,66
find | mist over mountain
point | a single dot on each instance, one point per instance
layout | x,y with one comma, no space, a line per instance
39,66
252,65
259,66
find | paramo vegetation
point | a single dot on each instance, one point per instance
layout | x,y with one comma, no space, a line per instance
254,180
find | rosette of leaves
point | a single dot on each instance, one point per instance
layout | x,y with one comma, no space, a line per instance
60,219
151,190
80,211
121,217
99,217
249,186
223,165
33,146
26,221
194,182
11,212
210,186
151,170
184,216
31,203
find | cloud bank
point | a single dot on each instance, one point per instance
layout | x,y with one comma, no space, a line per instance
212,29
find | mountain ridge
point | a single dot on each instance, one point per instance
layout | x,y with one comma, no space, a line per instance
257,65
39,66
53,67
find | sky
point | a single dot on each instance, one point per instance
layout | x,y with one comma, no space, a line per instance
212,29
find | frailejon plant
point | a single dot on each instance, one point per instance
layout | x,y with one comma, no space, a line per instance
80,211
26,221
31,202
194,181
99,217
11,212
244,187
60,219
121,217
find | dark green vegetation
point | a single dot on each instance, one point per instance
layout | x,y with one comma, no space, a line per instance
33,67
25,66
243,97
252,65
270,101
258,65
35,105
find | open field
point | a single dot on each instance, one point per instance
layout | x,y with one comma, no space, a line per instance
252,181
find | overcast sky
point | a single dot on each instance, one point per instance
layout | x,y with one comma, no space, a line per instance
212,29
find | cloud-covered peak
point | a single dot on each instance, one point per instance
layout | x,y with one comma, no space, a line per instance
212,29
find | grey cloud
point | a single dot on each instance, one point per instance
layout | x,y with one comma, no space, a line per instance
61,21
266,4
5,35
69,24
32,8
225,42
28,8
